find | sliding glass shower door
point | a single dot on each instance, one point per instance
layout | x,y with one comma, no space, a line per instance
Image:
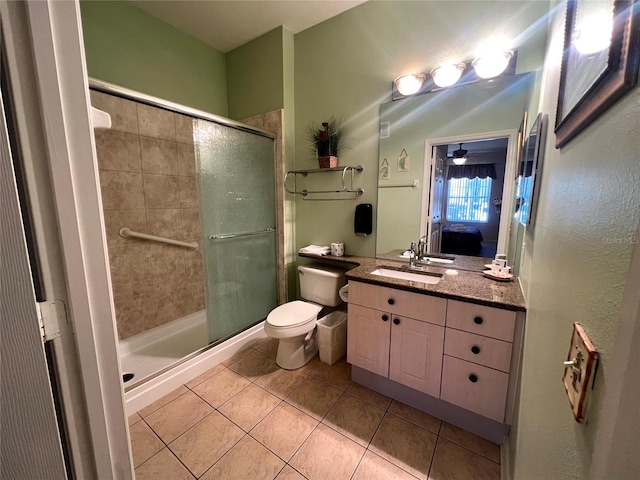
237,202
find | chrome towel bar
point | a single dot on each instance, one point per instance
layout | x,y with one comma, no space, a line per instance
127,232
223,236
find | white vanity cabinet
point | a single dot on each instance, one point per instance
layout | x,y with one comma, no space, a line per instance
397,334
458,352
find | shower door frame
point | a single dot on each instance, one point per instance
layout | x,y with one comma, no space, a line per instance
279,166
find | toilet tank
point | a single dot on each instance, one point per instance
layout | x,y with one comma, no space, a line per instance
321,283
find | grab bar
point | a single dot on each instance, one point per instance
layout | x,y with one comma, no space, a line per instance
223,236
127,232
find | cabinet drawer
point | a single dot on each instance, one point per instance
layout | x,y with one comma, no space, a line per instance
473,387
487,321
400,302
478,349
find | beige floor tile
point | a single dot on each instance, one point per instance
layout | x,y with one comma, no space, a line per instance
470,441
374,467
404,444
249,407
368,395
254,365
338,374
284,430
144,443
158,404
177,417
269,348
354,418
327,455
221,387
281,382
314,398
205,376
237,356
415,416
204,444
133,419
452,462
163,466
247,460
289,473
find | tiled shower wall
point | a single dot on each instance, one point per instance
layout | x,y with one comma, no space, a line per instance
149,184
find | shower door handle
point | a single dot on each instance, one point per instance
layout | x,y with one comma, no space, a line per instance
223,236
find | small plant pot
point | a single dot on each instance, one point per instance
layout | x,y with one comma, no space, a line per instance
328,162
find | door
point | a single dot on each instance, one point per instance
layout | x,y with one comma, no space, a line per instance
416,354
368,339
434,221
237,199
28,418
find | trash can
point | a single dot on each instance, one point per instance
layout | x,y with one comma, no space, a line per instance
332,337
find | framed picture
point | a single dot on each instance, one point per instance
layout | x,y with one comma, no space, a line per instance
383,172
599,61
403,161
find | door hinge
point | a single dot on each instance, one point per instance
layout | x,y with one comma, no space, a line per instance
52,317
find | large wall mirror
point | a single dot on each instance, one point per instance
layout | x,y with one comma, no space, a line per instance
459,209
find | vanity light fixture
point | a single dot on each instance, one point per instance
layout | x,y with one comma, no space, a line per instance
491,64
460,155
410,83
448,74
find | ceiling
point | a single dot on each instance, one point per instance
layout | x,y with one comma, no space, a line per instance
225,25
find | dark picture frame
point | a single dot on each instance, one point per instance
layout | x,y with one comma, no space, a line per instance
530,168
591,83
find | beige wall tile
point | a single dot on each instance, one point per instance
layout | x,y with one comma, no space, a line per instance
166,222
194,297
194,266
118,151
134,302
161,191
167,260
203,445
121,190
191,224
156,123
452,462
247,460
144,443
327,455
158,156
129,264
186,159
189,192
163,466
124,116
114,220
184,129
178,416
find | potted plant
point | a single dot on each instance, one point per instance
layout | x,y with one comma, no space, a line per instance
326,141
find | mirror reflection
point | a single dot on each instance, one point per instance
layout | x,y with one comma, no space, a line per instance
427,194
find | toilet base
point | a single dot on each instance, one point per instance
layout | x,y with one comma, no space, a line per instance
296,352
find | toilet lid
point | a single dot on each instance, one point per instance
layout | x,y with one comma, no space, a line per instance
293,313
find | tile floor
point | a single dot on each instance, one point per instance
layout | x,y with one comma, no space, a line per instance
248,419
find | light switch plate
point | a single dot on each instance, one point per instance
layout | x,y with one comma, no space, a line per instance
579,371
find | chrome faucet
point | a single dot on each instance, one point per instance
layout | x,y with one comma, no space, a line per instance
412,255
422,246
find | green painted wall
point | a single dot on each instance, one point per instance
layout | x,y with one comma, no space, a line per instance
576,266
255,76
128,47
345,67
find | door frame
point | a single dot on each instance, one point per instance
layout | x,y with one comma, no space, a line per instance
508,188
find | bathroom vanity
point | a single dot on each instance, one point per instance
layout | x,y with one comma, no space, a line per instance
451,349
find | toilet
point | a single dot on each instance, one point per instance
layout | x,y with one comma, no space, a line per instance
293,323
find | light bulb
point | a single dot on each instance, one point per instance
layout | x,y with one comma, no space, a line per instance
460,161
447,75
410,83
492,64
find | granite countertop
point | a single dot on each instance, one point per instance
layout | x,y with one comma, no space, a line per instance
460,262
467,286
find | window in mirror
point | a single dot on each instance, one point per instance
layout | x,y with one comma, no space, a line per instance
468,200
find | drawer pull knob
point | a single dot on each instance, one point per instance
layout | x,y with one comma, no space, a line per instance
391,301
385,318
473,378
478,320
475,349
396,321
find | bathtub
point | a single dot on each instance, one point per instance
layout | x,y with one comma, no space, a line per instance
183,342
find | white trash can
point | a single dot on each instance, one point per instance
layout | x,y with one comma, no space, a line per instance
332,337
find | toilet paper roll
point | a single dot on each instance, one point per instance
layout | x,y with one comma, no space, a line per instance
344,293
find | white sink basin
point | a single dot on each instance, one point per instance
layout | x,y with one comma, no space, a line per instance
413,277
437,260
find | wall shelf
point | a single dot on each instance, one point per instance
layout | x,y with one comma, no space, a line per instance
346,171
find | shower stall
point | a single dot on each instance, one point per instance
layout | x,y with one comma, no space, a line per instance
198,260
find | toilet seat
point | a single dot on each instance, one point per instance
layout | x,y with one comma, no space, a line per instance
293,314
